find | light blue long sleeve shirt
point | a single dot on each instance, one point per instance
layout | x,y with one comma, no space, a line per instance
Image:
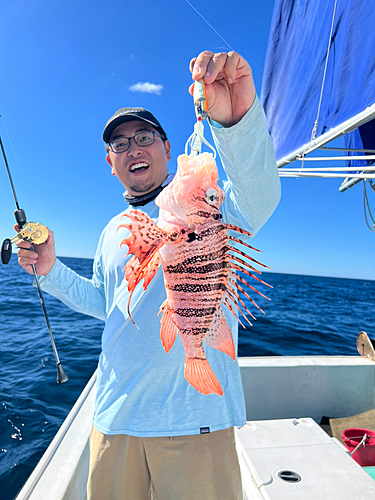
141,390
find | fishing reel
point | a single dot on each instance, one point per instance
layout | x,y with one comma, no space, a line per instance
31,231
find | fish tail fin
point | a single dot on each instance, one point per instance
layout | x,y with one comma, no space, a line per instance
199,374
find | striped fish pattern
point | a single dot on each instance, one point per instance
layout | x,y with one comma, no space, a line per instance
200,266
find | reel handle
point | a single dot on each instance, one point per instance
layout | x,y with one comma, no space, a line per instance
6,246
29,231
6,251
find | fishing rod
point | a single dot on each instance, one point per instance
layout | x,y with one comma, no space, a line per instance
33,233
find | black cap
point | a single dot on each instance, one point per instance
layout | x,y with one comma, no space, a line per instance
127,115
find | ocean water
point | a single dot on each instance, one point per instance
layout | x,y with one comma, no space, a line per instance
306,315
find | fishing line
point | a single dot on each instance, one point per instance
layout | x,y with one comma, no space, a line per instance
213,29
21,170
10,141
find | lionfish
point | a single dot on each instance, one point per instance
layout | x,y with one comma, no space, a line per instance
200,266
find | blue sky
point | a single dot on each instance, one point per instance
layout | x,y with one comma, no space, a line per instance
68,66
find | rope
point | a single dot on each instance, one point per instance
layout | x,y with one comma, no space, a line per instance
314,130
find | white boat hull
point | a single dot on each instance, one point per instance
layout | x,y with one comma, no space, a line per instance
279,390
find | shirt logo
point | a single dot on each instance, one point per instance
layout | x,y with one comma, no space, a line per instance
205,430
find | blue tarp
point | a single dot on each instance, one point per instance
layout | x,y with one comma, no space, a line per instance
294,68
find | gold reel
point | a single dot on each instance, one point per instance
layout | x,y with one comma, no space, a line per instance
33,232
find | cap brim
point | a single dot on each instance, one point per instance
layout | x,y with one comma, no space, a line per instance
126,118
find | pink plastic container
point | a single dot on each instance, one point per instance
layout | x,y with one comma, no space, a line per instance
365,455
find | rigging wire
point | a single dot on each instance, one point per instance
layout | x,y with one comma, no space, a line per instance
213,29
366,205
329,169
348,149
315,127
303,173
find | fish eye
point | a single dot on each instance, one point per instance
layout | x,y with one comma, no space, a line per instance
212,196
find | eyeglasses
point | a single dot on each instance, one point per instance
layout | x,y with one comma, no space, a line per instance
143,138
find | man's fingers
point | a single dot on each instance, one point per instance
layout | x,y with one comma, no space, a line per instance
209,65
50,235
199,64
230,67
215,66
23,253
191,65
26,262
23,244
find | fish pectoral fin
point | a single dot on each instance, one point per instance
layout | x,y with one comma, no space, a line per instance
151,269
135,272
219,336
144,243
168,330
199,374
130,272
146,236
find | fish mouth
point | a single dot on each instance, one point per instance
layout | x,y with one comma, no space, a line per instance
138,167
175,217
170,210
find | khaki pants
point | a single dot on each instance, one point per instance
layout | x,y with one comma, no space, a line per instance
198,467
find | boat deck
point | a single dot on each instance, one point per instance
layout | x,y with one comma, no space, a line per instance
296,459
283,452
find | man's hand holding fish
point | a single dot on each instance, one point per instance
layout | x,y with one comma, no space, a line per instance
165,282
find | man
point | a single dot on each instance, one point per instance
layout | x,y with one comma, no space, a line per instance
154,435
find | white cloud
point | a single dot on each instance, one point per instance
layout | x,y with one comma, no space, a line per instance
150,88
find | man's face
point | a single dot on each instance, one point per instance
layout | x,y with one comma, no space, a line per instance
152,160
